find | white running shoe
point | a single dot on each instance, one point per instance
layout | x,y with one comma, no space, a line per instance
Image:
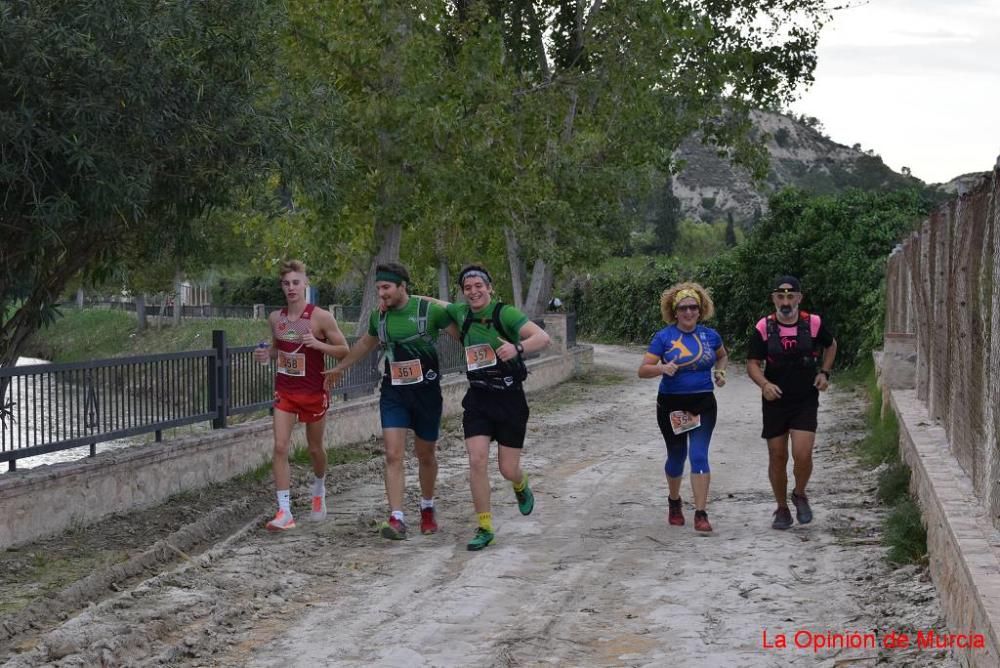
318,513
283,521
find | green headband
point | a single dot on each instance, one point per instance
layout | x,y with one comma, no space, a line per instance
390,276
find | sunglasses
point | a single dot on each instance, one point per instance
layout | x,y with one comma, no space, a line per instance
688,307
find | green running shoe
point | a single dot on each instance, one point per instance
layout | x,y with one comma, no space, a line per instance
525,500
480,540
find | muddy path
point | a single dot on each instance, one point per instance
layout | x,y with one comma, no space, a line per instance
594,577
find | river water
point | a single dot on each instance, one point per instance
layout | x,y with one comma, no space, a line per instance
20,396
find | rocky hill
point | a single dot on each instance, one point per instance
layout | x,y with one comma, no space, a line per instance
709,187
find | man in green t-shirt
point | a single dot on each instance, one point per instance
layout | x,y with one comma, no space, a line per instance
406,328
495,337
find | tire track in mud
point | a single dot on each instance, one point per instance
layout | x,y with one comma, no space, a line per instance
593,577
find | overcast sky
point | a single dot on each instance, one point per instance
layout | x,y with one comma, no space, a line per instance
917,81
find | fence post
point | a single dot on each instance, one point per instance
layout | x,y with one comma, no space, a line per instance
221,379
259,312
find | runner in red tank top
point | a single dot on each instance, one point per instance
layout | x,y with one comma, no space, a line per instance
301,334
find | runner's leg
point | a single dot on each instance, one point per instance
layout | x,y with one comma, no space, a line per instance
283,423
428,466
317,453
777,469
478,448
395,450
802,457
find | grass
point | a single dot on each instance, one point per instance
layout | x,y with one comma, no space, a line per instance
97,333
904,535
881,445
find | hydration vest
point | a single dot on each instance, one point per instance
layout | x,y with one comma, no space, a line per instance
503,376
389,347
802,355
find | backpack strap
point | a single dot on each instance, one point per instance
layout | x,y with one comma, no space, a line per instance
494,319
803,336
423,308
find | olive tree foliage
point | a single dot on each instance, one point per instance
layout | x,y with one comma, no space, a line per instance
121,123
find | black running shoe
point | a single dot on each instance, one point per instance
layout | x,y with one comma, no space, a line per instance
803,513
782,518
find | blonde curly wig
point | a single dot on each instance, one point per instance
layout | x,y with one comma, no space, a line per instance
670,295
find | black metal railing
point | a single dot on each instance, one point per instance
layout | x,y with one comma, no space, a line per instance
50,407
45,408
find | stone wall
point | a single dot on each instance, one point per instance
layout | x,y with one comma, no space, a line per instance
48,499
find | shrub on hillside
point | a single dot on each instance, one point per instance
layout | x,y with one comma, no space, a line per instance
836,244
623,303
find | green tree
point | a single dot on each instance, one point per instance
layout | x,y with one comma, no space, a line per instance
522,130
121,123
837,245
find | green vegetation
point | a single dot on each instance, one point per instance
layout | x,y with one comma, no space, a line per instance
905,535
837,246
95,333
124,123
98,333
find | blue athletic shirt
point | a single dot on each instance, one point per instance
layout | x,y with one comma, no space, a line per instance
694,354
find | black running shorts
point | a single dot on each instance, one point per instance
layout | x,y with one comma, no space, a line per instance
500,414
783,415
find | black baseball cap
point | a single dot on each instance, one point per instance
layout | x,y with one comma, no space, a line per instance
786,280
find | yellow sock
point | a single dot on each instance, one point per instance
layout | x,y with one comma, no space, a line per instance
524,483
486,521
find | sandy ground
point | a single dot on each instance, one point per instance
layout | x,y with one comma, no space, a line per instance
594,577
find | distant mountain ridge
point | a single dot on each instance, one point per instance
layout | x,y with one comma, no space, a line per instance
709,187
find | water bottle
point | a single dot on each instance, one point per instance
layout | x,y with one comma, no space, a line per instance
264,345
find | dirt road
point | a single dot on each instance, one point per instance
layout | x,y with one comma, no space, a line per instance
594,577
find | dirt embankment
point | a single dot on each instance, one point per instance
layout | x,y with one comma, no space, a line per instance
593,577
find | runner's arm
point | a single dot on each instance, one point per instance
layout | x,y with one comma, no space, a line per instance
452,331
651,366
822,376
359,350
272,348
769,390
434,300
533,339
336,345
721,362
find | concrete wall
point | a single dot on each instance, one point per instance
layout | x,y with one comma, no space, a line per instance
48,499
964,564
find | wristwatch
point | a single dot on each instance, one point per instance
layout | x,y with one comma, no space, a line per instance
519,348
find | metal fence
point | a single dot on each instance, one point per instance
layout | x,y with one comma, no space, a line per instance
50,407
943,286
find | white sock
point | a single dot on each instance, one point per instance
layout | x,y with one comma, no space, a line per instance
319,487
426,503
398,514
285,500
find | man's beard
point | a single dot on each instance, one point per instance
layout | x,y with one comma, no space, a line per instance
787,310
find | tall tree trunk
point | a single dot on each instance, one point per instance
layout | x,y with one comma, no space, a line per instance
444,277
79,298
140,312
388,238
444,280
516,265
540,290
178,300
